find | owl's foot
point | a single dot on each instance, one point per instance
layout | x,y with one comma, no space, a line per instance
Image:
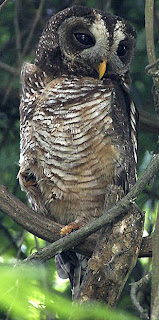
28,178
69,228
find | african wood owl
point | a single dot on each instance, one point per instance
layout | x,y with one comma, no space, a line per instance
77,120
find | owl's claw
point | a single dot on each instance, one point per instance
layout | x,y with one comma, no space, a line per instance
69,228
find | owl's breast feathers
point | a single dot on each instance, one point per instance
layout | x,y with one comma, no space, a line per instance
76,139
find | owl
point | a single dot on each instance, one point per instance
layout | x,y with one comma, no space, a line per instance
78,124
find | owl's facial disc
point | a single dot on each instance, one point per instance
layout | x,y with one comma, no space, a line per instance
87,40
84,46
90,43
78,41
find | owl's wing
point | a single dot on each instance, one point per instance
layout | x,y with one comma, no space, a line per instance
62,129
127,175
128,119
33,81
62,121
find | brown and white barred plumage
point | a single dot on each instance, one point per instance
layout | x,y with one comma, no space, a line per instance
78,132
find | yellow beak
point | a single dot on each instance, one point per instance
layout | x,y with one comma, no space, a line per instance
102,68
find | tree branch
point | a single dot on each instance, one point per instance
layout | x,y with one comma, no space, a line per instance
50,231
149,12
17,32
47,229
134,289
36,20
155,309
3,4
152,70
153,63
8,68
148,122
155,272
116,250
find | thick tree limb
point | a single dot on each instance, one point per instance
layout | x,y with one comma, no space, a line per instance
27,218
49,230
115,255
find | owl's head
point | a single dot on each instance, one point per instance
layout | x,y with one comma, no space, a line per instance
86,42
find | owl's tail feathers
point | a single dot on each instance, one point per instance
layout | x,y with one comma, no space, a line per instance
73,266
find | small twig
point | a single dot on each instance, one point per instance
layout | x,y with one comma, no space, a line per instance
150,66
37,243
12,241
148,122
8,68
6,132
134,289
7,93
36,20
149,12
17,31
3,4
149,21
154,74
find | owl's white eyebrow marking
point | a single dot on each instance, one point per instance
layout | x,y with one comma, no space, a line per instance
119,34
99,28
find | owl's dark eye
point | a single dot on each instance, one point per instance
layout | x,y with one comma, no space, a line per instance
122,50
84,39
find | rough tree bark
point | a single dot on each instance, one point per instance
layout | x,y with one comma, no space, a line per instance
114,256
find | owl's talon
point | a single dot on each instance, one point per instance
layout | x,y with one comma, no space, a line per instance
69,228
28,178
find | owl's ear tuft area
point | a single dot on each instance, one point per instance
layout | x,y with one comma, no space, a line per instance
28,69
33,80
31,71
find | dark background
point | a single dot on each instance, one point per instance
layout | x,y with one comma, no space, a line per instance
21,24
